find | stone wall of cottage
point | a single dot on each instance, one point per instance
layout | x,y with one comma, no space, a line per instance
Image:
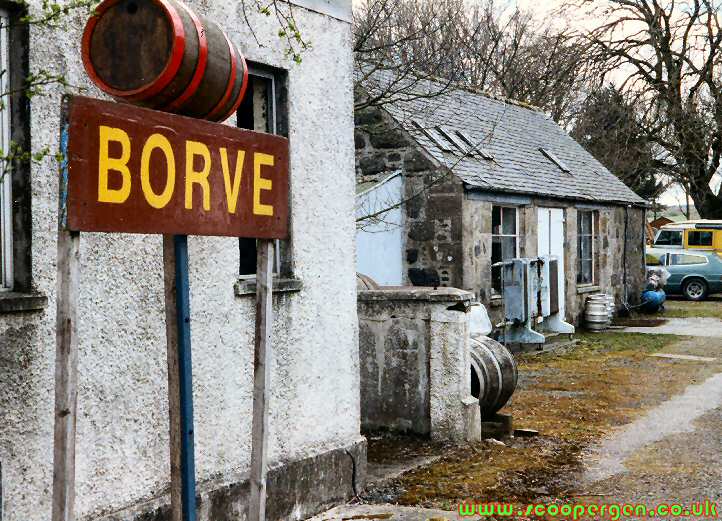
447,235
433,207
610,245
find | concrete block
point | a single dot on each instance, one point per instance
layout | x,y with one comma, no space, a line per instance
499,426
472,419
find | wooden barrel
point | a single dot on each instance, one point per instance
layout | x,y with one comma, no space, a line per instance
596,314
493,374
160,54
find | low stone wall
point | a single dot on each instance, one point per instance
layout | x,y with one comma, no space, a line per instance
293,488
414,362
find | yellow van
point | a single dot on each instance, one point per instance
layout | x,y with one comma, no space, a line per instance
700,234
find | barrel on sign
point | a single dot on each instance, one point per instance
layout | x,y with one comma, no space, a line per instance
493,374
596,314
160,54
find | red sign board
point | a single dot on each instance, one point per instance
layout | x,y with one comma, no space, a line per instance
136,170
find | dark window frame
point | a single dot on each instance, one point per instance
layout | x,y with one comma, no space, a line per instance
496,273
276,90
20,167
592,238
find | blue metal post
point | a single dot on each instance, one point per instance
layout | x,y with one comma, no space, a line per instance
188,475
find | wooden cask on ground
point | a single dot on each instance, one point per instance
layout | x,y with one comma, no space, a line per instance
493,374
160,54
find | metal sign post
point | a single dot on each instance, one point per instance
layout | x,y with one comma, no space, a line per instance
180,376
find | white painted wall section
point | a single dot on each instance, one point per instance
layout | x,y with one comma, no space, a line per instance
550,237
380,240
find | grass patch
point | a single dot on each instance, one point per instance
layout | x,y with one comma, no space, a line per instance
572,399
688,309
595,344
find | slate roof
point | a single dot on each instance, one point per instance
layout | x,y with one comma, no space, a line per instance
513,134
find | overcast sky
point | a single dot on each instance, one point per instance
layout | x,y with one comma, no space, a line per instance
542,7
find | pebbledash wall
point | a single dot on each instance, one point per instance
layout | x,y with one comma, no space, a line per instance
122,432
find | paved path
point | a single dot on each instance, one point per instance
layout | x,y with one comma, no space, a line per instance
672,454
702,327
672,418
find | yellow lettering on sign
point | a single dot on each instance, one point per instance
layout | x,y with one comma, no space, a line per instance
232,187
261,184
160,142
115,164
193,149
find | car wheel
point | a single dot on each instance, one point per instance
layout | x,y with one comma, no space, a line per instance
695,289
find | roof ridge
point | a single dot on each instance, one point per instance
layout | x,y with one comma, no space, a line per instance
458,85
476,90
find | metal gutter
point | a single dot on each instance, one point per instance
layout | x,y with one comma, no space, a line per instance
338,9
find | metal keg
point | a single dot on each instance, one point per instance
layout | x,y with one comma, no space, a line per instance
493,374
611,306
596,314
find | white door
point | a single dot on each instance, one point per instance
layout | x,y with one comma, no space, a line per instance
550,241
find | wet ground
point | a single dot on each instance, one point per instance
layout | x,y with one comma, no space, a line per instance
692,326
623,417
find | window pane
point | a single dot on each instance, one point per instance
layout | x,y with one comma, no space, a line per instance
585,247
652,260
700,238
248,256
585,275
508,247
496,250
496,279
691,259
263,109
2,239
669,238
6,229
584,222
509,221
496,220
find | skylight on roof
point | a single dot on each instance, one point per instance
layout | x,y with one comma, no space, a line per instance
554,159
444,144
454,141
436,139
474,147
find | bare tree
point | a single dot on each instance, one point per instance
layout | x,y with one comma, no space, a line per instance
608,126
528,60
400,44
666,56
473,45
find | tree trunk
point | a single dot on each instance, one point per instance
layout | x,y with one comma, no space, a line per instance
708,204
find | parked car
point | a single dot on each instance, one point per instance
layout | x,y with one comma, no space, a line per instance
694,274
701,234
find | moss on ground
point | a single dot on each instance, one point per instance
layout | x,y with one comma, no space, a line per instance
688,309
572,399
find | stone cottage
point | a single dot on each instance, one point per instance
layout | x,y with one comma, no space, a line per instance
450,184
316,452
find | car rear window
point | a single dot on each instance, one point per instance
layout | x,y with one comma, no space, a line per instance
682,259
